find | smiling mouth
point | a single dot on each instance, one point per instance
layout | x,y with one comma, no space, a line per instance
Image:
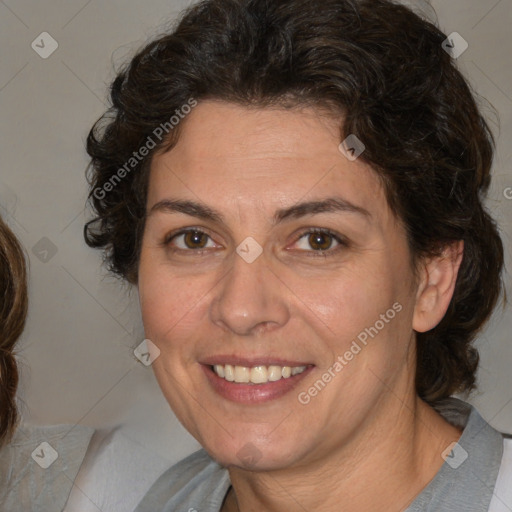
255,374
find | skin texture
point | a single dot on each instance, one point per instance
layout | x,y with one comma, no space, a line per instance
366,438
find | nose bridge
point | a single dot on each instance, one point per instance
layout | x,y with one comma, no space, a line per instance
248,299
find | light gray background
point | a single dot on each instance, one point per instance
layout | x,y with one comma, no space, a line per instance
76,355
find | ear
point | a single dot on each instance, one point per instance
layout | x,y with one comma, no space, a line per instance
437,284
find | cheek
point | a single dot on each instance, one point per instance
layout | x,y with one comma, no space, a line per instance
172,305
369,323
350,300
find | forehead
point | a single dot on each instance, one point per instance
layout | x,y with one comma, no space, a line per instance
257,132
257,156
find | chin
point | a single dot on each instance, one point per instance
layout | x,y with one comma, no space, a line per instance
251,453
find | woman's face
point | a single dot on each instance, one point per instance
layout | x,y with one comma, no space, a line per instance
251,289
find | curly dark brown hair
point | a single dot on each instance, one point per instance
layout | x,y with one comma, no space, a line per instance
13,313
377,65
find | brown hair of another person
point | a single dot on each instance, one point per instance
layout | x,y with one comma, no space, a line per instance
13,313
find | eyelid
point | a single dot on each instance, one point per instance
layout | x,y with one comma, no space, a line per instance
342,241
183,231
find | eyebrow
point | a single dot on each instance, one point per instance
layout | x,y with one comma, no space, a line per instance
205,212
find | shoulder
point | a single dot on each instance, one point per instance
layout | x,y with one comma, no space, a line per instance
38,467
195,483
502,495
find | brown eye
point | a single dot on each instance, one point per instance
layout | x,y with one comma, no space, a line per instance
189,239
195,239
320,241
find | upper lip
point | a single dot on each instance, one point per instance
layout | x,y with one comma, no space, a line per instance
251,361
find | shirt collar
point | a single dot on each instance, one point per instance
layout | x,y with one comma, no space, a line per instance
465,482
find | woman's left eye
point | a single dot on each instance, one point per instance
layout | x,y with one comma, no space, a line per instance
321,240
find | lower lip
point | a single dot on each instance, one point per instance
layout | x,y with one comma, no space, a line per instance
253,393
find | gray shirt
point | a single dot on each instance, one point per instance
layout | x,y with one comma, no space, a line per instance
464,483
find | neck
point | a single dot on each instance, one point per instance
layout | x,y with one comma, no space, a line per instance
386,464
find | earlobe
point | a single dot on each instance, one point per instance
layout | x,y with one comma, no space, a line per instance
436,288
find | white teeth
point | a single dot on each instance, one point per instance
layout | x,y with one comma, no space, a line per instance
242,374
229,373
256,374
274,373
259,375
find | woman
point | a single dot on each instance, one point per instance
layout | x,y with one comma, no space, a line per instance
13,313
296,190
32,458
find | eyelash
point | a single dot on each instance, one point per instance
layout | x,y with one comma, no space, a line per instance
316,253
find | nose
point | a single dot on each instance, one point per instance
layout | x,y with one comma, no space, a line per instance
250,299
